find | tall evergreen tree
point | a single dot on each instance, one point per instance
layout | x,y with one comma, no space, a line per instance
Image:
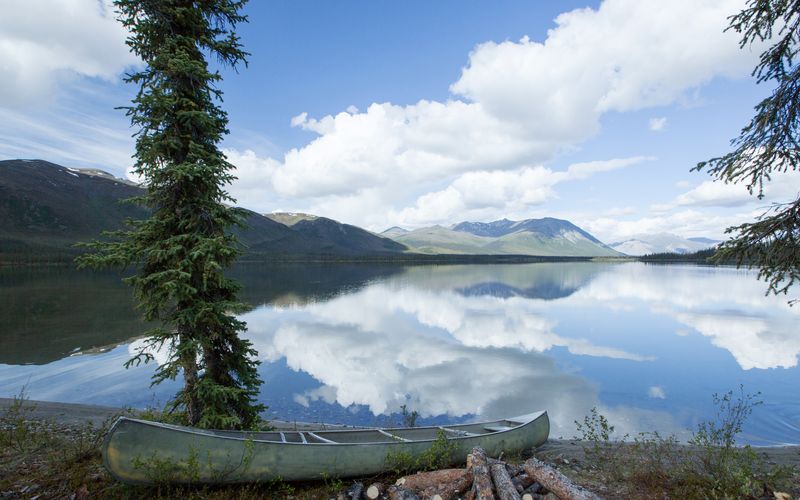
769,143
182,250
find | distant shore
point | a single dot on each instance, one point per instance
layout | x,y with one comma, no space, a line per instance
399,259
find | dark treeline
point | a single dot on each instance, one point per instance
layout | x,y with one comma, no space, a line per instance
701,256
43,256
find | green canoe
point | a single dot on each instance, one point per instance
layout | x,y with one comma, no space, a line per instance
143,452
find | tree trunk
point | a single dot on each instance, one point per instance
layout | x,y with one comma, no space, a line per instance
502,482
188,361
482,481
556,482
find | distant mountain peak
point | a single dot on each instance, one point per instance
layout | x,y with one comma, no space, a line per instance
548,227
644,244
394,231
547,237
290,218
96,172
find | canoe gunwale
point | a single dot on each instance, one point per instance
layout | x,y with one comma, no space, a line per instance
210,433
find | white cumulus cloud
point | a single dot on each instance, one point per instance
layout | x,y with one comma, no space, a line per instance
515,106
657,124
45,43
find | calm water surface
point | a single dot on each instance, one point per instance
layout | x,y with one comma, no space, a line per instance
648,345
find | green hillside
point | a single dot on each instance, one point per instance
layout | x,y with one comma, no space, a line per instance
342,238
46,208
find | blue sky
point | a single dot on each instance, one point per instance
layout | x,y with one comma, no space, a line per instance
417,113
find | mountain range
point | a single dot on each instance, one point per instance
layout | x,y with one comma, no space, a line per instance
645,244
546,237
46,208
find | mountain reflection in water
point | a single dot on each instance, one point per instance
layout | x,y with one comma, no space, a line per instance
647,345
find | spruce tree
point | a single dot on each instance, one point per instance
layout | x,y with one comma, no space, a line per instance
769,143
181,252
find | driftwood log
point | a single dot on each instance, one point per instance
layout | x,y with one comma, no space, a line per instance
424,480
481,477
355,491
514,470
395,492
444,484
502,482
374,491
449,491
484,478
556,482
522,481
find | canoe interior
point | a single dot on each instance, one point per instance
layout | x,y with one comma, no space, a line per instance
364,436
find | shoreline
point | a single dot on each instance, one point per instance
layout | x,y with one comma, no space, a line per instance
53,450
77,414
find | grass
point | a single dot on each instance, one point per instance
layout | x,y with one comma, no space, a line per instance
48,460
712,466
438,456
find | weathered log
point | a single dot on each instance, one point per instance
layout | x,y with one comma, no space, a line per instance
517,485
481,477
374,491
514,469
449,491
395,492
354,491
534,488
522,481
556,482
423,480
502,482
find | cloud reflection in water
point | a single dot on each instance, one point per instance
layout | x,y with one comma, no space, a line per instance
418,341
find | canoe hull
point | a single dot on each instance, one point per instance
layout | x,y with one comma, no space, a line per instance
139,452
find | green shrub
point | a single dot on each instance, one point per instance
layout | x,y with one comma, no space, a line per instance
712,466
438,456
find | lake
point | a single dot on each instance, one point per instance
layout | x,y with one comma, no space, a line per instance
647,345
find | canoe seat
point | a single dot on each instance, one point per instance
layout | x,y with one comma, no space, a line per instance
497,428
